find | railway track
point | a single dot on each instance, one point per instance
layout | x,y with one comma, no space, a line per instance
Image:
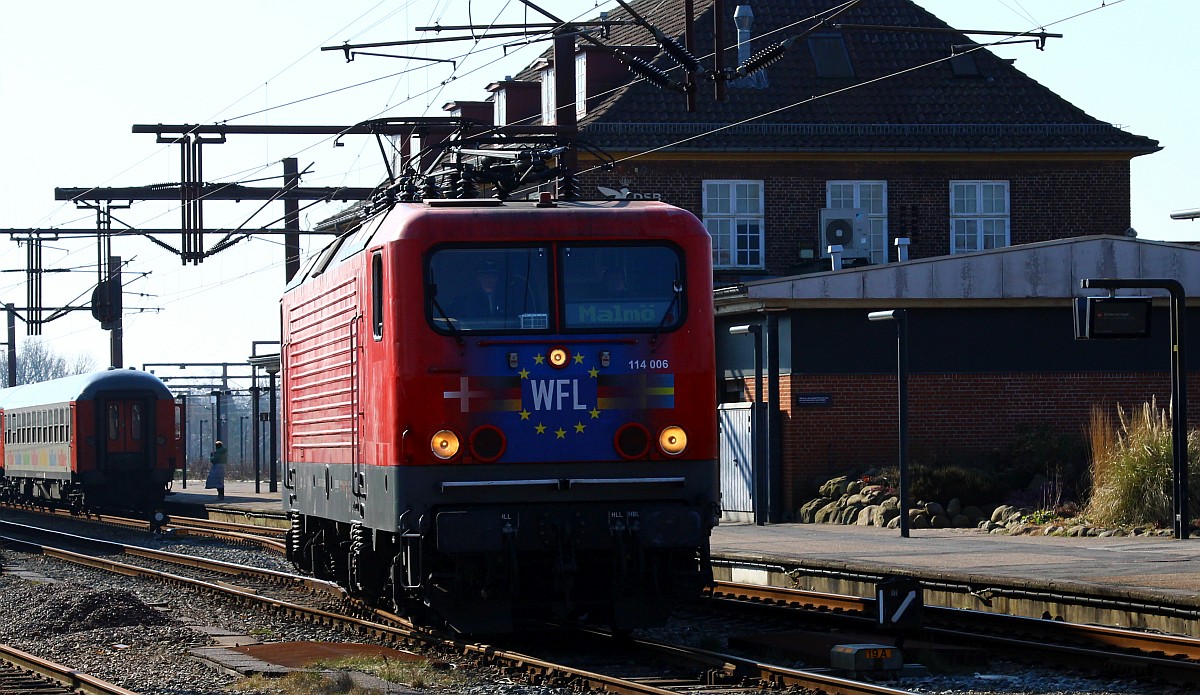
1171,657
21,672
266,537
165,565
1165,656
708,671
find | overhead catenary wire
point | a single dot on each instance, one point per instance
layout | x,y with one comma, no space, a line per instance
437,89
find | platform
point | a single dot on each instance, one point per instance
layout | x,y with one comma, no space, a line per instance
243,502
1157,570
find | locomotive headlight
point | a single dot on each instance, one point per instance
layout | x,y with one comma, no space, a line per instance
672,440
559,357
444,444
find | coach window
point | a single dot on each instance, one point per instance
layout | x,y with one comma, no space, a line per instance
377,295
135,421
480,288
635,287
114,422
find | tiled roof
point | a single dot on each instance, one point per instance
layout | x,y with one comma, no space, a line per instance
890,105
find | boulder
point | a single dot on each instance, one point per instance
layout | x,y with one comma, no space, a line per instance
954,508
825,514
809,509
835,487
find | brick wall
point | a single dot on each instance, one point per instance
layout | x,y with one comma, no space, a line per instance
950,416
1049,199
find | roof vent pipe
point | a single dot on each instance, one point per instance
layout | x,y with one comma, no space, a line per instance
902,249
743,18
835,256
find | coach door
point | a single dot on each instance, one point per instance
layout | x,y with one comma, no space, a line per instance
127,427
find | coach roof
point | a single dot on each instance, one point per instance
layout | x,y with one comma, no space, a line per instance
81,387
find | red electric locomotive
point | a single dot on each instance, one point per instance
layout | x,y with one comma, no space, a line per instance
501,410
92,442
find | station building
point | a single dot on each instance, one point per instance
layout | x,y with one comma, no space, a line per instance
957,188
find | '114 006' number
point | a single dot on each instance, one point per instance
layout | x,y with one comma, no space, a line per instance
648,364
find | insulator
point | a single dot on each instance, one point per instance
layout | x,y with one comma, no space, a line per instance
677,51
568,187
765,57
430,189
650,73
466,184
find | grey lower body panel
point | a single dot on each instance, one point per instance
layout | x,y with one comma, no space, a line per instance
403,498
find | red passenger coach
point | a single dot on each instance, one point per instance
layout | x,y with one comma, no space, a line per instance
91,442
506,410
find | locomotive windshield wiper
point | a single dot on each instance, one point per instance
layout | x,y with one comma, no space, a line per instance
678,287
431,289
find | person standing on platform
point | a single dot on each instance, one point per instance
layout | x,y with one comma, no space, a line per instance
216,474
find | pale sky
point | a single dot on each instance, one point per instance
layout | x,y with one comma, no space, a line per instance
76,75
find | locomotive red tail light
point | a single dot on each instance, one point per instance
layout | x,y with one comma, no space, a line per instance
672,440
487,443
444,444
632,441
559,357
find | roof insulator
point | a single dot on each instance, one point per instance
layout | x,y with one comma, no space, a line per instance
677,51
765,57
651,74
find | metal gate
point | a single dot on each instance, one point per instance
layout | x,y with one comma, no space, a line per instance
737,461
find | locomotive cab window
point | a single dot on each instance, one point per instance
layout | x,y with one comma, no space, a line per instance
635,287
377,296
487,289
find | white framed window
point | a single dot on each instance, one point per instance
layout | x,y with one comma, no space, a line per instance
581,84
500,106
548,98
871,198
979,215
733,215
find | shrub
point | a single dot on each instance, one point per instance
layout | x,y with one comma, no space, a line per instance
1040,468
943,482
1131,467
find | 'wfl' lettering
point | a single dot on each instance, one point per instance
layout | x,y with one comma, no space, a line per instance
549,394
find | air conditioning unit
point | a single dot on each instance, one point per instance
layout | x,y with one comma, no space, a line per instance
845,227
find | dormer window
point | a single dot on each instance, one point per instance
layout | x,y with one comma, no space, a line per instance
581,84
548,97
500,107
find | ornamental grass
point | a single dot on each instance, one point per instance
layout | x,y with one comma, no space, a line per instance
1131,467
